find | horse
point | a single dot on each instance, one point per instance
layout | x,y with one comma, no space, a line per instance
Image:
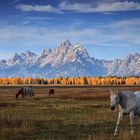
129,104
51,92
26,92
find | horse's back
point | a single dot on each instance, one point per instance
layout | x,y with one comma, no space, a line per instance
137,101
28,91
137,93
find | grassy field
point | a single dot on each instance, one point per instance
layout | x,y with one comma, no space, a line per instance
73,113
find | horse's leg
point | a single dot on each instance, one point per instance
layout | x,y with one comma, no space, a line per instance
22,96
131,122
120,117
30,96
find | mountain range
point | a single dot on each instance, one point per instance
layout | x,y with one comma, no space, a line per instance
67,61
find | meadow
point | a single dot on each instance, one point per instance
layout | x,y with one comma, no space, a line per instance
73,113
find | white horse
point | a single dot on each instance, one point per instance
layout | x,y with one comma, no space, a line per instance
129,104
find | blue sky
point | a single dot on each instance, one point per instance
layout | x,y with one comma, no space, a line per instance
108,29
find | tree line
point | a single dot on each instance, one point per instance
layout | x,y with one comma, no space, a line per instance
72,81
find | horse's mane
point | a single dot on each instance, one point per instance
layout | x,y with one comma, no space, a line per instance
129,93
119,92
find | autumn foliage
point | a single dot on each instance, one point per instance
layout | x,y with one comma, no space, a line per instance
72,81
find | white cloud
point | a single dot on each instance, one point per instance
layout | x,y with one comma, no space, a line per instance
103,7
118,6
122,35
100,7
38,8
128,23
126,32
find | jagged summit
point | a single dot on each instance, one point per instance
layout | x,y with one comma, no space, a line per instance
28,53
16,59
128,66
26,57
46,52
64,54
66,44
67,60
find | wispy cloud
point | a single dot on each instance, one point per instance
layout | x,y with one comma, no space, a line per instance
123,32
100,7
100,40
38,8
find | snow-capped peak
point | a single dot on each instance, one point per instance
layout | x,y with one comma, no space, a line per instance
27,54
67,60
66,44
82,52
16,59
26,57
46,52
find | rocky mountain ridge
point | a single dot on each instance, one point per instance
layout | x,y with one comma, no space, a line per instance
67,60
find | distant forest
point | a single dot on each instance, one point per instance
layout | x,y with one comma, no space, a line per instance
72,81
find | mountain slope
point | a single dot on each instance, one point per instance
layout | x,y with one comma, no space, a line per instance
67,60
130,65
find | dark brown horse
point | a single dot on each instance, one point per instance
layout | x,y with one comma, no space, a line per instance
51,92
25,92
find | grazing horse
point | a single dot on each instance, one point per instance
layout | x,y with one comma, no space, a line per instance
51,92
129,104
25,92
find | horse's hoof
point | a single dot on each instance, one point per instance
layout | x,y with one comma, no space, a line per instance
115,134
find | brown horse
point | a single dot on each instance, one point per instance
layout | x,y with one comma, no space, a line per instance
25,92
51,92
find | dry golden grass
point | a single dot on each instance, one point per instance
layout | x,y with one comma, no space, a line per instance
72,113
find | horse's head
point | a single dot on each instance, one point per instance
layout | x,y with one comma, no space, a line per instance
114,99
19,92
